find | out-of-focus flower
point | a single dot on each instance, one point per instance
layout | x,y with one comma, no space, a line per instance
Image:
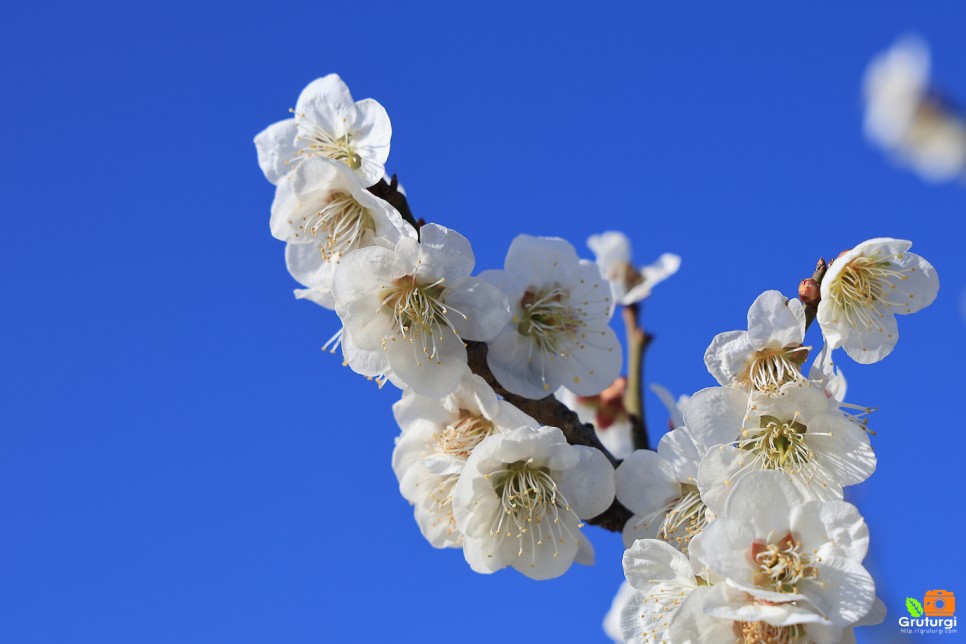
863,291
521,497
606,413
675,408
559,334
906,117
768,354
628,284
328,123
416,303
324,212
438,435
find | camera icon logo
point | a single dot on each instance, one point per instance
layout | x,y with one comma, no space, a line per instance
939,603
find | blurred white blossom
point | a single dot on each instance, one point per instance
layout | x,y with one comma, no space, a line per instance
906,117
629,284
606,412
675,407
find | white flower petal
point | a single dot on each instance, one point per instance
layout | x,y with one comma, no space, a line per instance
542,259
678,447
589,486
650,562
727,356
665,266
425,375
715,415
612,620
844,591
328,103
775,321
717,476
375,131
764,499
646,482
276,147
444,253
837,523
725,548
691,625
484,322
670,404
734,605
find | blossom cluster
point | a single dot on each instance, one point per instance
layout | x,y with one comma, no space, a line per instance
739,532
481,475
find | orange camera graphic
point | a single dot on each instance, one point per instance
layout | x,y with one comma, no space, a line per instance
939,603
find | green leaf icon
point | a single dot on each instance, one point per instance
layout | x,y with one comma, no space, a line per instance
914,607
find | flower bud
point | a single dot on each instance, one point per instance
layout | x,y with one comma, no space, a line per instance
809,292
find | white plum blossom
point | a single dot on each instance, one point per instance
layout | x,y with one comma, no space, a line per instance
521,499
559,333
863,291
438,435
778,547
725,614
769,353
799,432
606,412
324,212
328,123
679,601
629,285
909,120
662,578
660,488
415,304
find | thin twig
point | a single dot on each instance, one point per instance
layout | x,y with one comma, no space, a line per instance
637,342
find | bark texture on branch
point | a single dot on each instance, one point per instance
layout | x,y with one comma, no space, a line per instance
551,412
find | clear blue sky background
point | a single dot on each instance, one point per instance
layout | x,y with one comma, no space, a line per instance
178,460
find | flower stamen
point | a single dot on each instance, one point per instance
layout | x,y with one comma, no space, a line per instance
342,220
420,315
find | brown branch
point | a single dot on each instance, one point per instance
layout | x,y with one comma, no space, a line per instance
390,192
551,412
637,342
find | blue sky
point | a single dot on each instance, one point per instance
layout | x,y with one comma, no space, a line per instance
179,461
